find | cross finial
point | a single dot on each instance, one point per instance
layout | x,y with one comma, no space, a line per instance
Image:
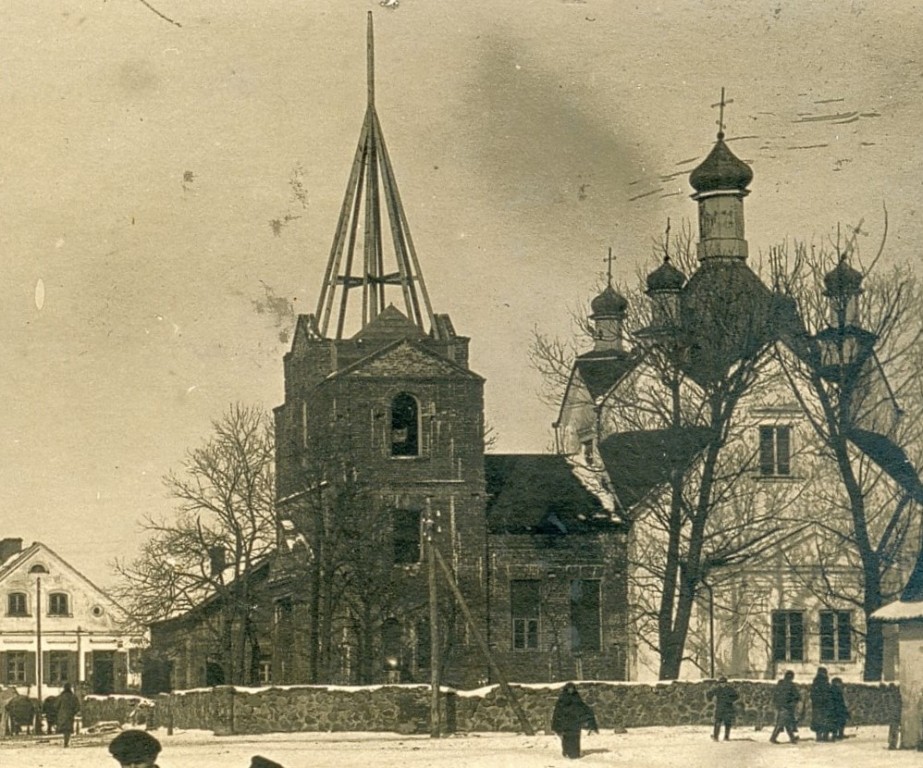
666,242
721,105
370,54
609,269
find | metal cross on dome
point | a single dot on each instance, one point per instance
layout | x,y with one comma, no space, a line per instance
721,104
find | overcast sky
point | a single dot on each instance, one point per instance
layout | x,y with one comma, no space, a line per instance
142,165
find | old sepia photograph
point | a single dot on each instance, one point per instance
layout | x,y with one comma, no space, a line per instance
461,383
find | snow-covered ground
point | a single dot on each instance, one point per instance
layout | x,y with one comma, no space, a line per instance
682,747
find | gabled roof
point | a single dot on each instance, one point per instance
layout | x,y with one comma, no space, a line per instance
640,462
406,358
539,494
41,552
390,324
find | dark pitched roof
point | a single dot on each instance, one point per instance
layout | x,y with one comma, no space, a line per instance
538,493
390,324
727,314
640,462
601,370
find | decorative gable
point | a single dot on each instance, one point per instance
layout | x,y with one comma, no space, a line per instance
406,360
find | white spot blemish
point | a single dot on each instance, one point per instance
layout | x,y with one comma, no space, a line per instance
59,243
40,294
194,386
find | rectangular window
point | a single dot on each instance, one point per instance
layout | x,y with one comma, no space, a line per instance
775,450
584,615
17,605
835,636
58,670
265,672
57,604
788,636
16,667
525,612
406,536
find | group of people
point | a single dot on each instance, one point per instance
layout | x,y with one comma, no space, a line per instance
829,713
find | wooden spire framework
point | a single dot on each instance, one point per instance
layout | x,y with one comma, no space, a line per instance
371,180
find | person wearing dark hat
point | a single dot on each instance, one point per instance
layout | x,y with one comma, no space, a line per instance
570,715
258,761
724,695
135,749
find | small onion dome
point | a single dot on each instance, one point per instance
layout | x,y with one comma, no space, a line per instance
665,278
609,304
722,169
843,280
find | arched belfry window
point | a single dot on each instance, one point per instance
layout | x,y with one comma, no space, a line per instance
405,426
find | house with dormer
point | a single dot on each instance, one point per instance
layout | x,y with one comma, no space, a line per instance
57,627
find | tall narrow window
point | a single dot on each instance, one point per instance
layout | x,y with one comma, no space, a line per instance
525,612
391,645
17,605
584,615
775,450
16,667
835,636
58,604
788,636
406,536
58,670
405,430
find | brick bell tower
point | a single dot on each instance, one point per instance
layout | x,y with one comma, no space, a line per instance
381,409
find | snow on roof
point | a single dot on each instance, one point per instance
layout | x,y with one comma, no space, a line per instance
900,610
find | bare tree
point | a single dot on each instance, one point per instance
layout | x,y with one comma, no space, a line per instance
224,527
701,518
856,370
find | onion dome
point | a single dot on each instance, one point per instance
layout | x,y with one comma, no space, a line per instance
665,278
609,303
843,280
722,169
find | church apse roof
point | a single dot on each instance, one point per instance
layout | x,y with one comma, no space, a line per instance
603,369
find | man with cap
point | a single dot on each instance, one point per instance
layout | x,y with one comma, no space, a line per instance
724,695
135,749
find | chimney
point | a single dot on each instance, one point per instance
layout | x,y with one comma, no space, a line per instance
8,548
217,557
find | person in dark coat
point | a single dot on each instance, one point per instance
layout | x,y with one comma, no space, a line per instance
134,748
66,709
821,716
839,712
571,714
724,695
785,699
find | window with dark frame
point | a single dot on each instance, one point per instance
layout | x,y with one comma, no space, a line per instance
58,667
58,604
788,636
17,604
525,612
405,429
584,615
835,636
16,667
407,538
775,450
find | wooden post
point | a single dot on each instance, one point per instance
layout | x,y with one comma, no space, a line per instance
435,661
501,678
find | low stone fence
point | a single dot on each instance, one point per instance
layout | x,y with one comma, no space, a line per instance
405,708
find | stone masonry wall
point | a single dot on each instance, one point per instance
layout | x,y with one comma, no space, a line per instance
405,708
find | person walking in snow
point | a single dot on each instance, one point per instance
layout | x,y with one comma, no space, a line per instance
785,699
839,712
66,708
571,714
724,695
821,715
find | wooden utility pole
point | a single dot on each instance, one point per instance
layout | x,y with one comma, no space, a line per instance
501,678
435,715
